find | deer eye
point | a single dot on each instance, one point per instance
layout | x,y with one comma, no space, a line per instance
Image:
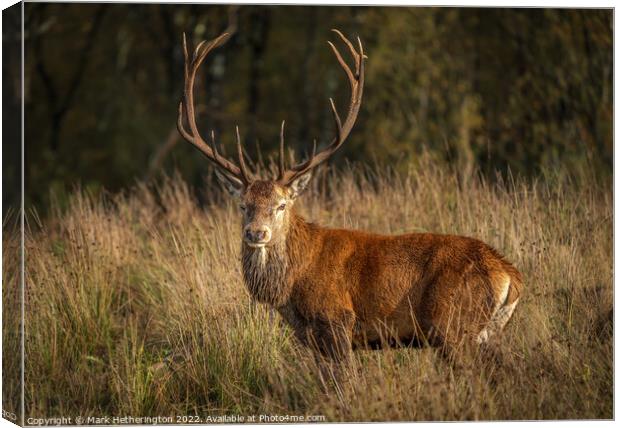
242,207
281,207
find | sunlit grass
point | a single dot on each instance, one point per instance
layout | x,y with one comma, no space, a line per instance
136,306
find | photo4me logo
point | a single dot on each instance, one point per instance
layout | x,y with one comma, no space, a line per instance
233,419
290,418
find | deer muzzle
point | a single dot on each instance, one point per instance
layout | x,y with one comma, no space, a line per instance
257,237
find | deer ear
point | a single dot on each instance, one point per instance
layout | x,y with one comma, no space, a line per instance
233,185
297,187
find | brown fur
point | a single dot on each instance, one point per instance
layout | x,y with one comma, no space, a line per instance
340,289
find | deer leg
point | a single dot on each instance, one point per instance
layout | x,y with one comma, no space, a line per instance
332,336
331,341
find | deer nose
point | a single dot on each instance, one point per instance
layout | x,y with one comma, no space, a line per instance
257,235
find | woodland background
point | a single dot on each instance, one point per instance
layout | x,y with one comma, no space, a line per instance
519,90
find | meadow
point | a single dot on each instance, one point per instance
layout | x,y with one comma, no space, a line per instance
136,306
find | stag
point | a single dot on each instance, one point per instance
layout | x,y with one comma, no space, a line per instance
343,289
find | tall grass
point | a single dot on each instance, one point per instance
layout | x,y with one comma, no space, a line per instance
135,305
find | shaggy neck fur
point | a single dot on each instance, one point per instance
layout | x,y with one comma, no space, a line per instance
269,272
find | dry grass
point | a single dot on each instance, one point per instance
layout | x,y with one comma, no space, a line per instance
136,306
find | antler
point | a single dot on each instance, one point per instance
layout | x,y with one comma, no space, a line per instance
187,106
356,80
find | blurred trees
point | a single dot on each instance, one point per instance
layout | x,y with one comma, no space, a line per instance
529,89
522,88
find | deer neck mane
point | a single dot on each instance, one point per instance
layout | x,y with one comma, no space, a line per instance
269,272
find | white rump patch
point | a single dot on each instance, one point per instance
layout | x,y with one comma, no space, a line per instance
504,294
499,318
483,336
497,322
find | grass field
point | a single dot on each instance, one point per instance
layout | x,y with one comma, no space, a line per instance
135,305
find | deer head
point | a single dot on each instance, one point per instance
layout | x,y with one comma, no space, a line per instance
266,204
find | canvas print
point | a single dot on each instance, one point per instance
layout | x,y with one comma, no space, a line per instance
292,214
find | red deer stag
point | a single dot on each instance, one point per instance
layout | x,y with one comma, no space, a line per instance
341,289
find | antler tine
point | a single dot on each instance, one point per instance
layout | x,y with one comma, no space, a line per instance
343,63
354,53
356,81
244,171
185,56
186,110
281,169
180,126
214,144
336,117
201,145
362,55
